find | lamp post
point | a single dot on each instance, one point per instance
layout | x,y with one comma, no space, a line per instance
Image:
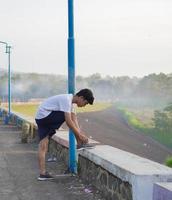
8,51
71,82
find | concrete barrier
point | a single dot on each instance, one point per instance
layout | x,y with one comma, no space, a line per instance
27,124
118,174
162,191
25,132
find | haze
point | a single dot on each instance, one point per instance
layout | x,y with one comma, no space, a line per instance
112,37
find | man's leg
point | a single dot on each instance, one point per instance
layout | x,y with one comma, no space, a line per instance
43,148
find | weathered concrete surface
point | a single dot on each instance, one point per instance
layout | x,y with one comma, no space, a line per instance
133,176
162,191
141,173
19,171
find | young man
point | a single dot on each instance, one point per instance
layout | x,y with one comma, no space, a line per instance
50,116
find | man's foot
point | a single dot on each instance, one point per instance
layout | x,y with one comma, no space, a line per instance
44,177
85,146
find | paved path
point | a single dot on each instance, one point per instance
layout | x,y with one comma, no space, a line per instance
19,171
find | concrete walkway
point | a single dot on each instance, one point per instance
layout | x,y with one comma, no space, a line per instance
19,171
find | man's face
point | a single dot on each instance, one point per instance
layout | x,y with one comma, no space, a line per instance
81,102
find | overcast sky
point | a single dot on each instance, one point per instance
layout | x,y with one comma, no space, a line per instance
112,37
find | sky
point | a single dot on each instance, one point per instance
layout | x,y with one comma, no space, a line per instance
112,37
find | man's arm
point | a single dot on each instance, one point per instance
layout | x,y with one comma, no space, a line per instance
81,137
75,120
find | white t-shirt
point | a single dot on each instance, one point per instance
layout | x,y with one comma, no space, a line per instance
61,102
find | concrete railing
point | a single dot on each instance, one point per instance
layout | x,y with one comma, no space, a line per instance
162,191
118,174
27,124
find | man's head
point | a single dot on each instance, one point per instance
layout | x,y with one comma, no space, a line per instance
85,96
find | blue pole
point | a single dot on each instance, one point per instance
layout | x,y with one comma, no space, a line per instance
71,82
7,117
9,80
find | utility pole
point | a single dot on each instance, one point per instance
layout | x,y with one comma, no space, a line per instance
71,82
8,51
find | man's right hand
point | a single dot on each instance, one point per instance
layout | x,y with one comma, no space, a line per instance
82,138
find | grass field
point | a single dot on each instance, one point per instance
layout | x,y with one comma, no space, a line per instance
141,119
29,109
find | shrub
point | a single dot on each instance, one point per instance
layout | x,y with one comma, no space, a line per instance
168,161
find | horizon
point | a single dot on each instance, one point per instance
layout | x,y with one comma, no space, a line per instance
102,76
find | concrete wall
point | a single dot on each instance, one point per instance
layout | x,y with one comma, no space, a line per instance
27,124
118,174
162,191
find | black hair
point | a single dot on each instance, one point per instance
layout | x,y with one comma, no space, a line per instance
86,94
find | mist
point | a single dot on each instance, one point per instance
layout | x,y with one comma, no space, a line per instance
153,90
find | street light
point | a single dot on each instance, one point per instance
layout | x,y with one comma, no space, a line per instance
8,51
71,83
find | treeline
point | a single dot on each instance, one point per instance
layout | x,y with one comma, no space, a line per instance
163,120
154,89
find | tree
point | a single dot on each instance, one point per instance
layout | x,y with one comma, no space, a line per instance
163,119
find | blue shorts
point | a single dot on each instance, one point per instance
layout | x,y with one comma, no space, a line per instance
48,125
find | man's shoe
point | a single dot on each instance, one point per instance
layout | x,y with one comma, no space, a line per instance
85,146
44,177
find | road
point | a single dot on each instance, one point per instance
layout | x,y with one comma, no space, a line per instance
108,127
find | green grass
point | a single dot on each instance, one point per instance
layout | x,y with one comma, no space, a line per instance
30,109
168,161
135,120
163,138
25,109
131,118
